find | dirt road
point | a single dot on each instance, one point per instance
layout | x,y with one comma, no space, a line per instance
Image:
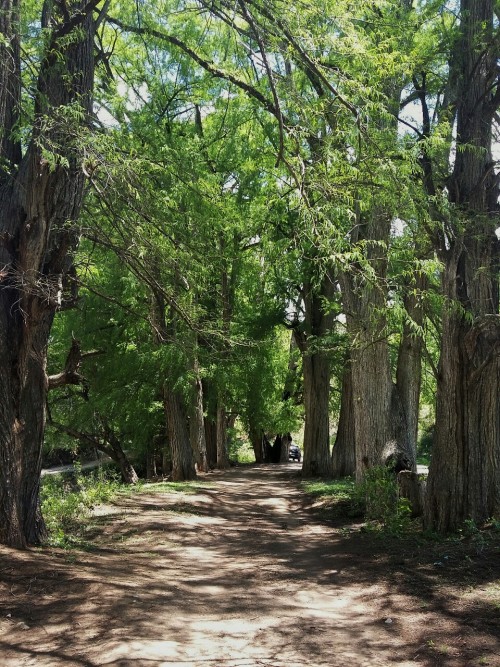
239,574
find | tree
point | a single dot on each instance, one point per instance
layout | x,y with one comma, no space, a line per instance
464,478
41,190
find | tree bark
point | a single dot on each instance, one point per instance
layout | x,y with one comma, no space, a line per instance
380,428
256,437
109,444
211,440
222,454
344,449
464,476
409,366
197,421
316,372
115,451
182,455
40,201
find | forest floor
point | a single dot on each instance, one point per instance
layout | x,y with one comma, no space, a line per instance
248,572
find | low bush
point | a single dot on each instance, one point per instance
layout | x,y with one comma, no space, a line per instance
68,500
378,492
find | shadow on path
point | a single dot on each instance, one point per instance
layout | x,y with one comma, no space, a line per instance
236,575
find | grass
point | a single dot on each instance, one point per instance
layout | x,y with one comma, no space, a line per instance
242,452
336,498
340,489
173,487
68,501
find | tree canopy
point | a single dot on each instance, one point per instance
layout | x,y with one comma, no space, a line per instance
253,215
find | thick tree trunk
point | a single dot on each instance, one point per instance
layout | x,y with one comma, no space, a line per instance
256,438
379,422
317,459
222,454
380,428
316,373
344,449
464,476
197,422
38,202
182,455
409,368
211,440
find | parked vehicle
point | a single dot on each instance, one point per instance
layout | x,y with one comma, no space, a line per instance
294,453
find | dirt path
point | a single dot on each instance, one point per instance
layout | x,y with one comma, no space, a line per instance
239,575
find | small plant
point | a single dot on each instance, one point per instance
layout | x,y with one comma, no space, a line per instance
473,533
379,493
67,502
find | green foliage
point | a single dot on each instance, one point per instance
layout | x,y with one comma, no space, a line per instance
68,501
378,492
241,451
337,498
424,445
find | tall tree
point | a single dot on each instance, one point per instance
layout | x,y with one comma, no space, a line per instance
41,190
464,478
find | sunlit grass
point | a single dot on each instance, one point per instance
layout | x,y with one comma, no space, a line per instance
341,489
335,498
174,487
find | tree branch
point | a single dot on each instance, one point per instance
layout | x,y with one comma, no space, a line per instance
207,65
71,374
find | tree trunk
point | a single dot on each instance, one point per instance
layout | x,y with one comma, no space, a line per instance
382,434
211,440
316,373
197,422
317,459
182,455
110,445
40,196
409,368
222,455
344,449
115,451
464,476
256,438
412,487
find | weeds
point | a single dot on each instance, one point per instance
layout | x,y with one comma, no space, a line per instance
376,498
67,502
336,496
383,505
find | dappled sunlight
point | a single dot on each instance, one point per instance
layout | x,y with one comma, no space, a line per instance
237,575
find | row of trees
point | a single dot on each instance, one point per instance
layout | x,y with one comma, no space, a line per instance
236,208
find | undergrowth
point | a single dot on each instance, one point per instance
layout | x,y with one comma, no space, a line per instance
68,500
376,499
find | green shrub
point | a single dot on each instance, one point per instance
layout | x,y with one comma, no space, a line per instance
378,492
67,502
241,451
424,446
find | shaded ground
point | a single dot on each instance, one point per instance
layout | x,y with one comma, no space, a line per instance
245,574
